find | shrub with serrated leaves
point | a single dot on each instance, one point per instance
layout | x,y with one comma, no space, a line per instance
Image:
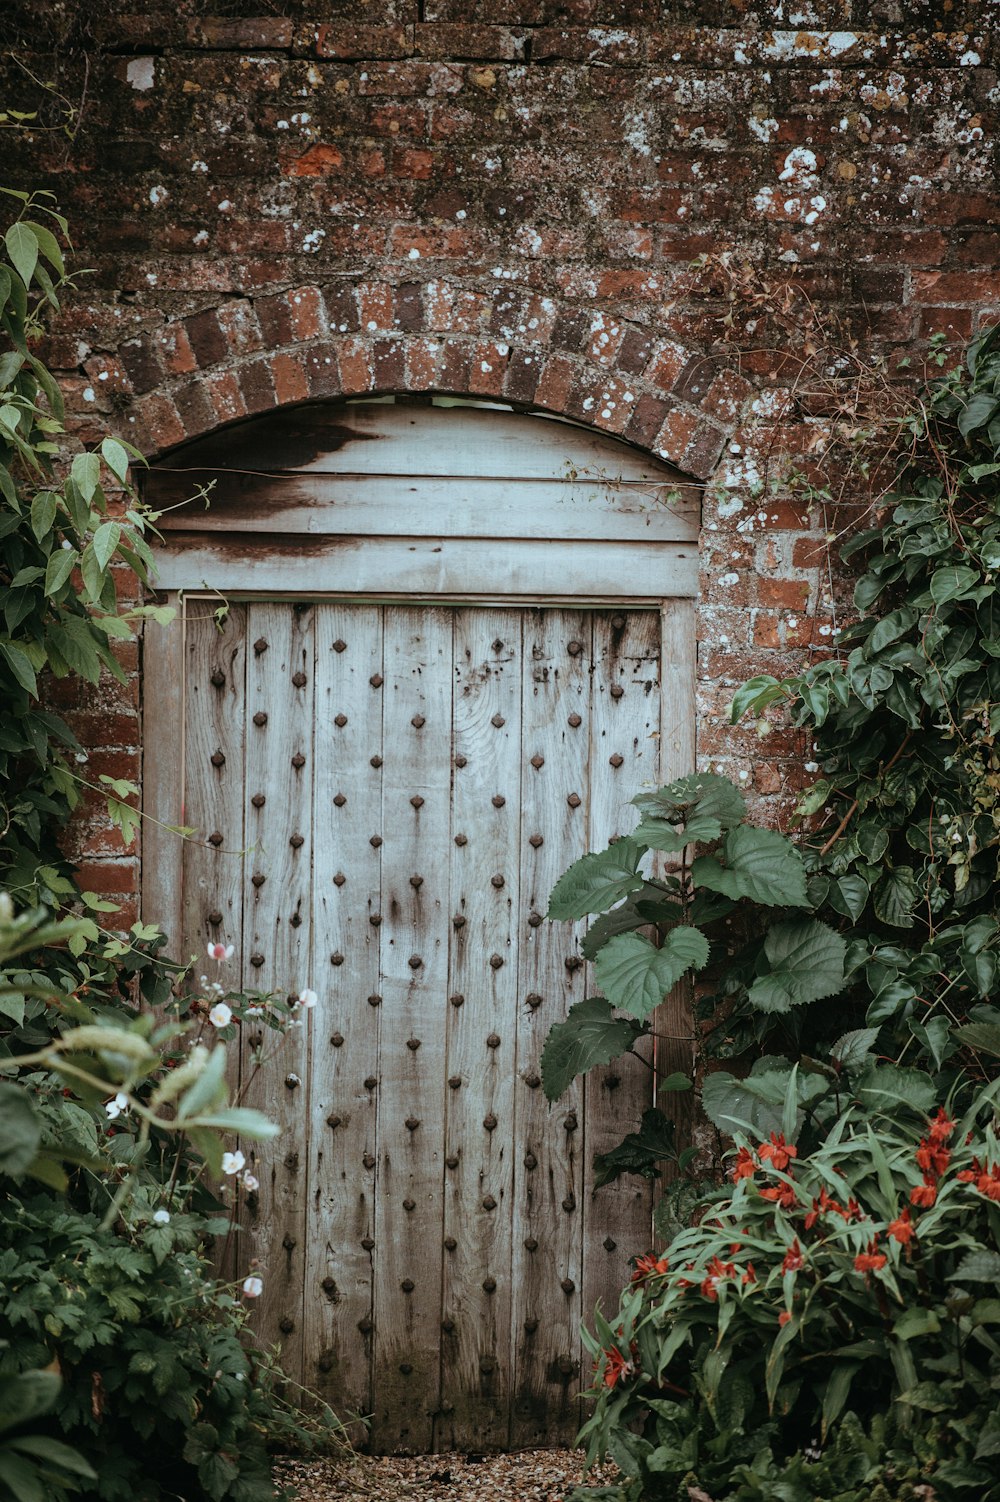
829,1326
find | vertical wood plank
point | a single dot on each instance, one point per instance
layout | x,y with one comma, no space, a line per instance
624,759
214,696
163,659
674,1021
416,720
279,707
344,1058
547,1246
482,1023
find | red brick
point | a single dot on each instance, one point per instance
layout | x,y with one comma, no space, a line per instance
345,39
318,161
158,423
305,308
290,384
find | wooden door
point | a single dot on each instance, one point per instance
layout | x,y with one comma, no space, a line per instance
388,794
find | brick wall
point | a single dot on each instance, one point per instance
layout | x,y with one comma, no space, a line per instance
505,200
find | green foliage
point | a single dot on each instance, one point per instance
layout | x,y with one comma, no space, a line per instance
846,1281
824,1326
795,961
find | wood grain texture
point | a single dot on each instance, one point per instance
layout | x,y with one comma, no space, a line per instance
387,439
163,774
416,793
429,505
486,719
344,1059
277,950
547,1245
625,723
278,564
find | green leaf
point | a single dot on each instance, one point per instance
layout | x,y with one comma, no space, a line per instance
636,976
641,1152
54,1452
620,920
759,863
980,1035
852,1049
208,1090
953,581
914,1322
60,565
895,897
590,1035
47,244
597,881
241,1119
980,1266
712,797
978,411
806,960
22,247
756,694
20,665
86,472
115,458
43,513
20,1130
106,539
884,1087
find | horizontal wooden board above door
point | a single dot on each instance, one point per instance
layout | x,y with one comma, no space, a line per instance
381,438
387,566
423,506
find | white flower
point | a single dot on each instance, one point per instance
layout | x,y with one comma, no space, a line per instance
253,1287
161,1217
308,999
232,1162
220,952
220,1015
250,1184
117,1106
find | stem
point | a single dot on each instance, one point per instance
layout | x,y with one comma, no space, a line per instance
825,849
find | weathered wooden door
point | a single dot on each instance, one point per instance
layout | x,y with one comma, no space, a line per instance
407,784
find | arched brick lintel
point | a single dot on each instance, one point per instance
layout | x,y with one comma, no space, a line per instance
247,357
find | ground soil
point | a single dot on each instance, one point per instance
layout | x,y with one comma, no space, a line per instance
528,1476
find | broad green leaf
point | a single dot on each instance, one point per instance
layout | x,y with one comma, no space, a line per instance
980,1035
848,895
25,1396
981,1266
22,247
43,513
242,1120
106,539
851,1050
20,665
60,565
597,881
884,1087
914,1322
636,976
590,1035
756,694
115,458
20,1130
895,896
758,863
713,798
47,244
620,920
86,472
641,1152
54,1452
806,960
952,582
978,411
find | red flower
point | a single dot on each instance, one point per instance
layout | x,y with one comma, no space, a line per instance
871,1260
784,1317
853,1211
616,1367
988,1183
941,1126
924,1195
932,1157
902,1229
717,1272
823,1206
782,1194
749,1276
648,1266
745,1166
778,1151
793,1258
970,1175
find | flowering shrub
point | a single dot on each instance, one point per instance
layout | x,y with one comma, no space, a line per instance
860,1277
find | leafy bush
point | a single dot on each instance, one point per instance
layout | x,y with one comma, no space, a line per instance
860,1277
859,1358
